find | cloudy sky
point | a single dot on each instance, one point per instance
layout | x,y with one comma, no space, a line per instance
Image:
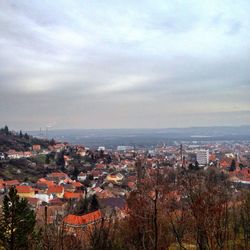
124,64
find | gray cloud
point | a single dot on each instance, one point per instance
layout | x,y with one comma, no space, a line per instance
116,64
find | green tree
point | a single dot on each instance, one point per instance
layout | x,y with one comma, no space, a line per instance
47,159
17,221
6,130
94,204
21,134
75,172
26,136
52,142
82,206
233,165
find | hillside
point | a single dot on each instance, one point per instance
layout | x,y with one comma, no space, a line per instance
18,141
22,169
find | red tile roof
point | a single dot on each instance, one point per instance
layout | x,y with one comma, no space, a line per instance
71,195
85,219
55,190
12,183
46,182
24,189
246,179
77,184
41,180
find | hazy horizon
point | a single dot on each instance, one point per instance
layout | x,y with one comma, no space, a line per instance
115,64
159,128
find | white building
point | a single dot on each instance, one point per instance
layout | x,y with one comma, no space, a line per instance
101,148
2,156
124,148
82,176
202,156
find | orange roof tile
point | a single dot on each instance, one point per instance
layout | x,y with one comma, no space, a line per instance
41,180
71,195
68,180
77,184
76,220
12,183
46,182
55,190
24,189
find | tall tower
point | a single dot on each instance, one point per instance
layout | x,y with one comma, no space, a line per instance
47,132
181,152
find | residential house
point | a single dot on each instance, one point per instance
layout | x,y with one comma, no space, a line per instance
11,183
115,178
44,197
2,156
56,191
36,147
34,202
77,185
72,195
2,189
96,174
27,154
42,182
25,191
13,154
58,147
57,176
78,224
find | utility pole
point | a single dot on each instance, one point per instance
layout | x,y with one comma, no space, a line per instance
47,132
181,151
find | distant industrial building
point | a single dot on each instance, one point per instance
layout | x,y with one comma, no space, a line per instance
101,148
202,156
124,148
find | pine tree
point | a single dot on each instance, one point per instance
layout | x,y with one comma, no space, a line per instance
17,221
26,136
233,165
82,206
21,134
52,142
47,159
75,172
94,204
6,130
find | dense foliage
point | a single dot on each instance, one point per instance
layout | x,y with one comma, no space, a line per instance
178,210
17,222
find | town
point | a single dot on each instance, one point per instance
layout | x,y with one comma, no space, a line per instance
75,186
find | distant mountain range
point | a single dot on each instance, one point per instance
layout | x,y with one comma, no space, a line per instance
146,137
